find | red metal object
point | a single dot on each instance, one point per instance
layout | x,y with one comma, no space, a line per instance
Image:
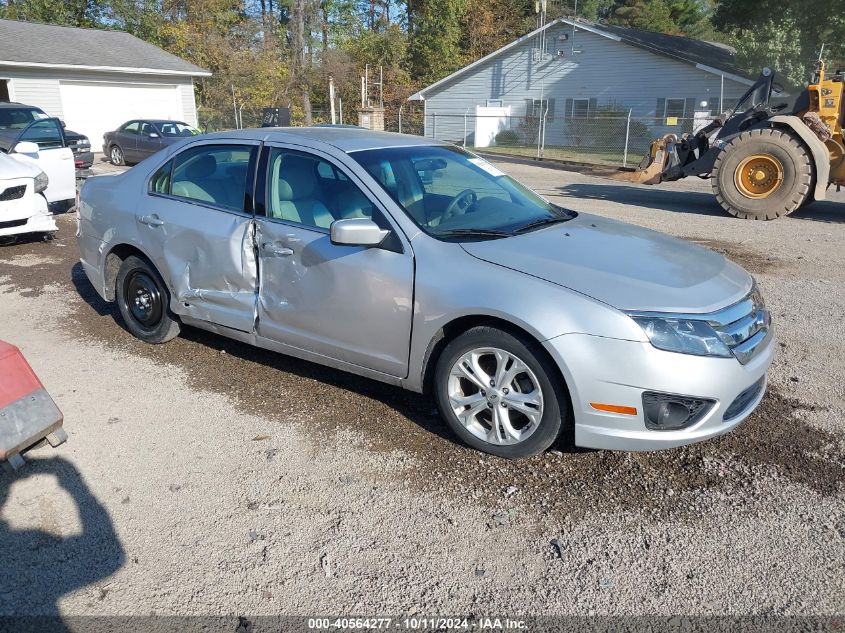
27,413
16,376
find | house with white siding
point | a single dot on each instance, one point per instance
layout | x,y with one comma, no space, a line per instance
573,74
94,80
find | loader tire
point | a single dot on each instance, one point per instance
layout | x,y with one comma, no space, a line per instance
763,174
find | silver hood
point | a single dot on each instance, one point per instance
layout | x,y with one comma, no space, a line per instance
626,266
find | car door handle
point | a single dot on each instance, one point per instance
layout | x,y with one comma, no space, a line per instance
151,220
276,251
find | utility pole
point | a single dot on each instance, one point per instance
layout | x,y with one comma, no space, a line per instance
331,98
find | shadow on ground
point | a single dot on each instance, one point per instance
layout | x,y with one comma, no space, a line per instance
696,202
38,566
699,203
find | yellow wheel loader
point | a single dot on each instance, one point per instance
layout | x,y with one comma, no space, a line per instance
764,159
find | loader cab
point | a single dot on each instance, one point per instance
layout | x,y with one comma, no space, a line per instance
758,94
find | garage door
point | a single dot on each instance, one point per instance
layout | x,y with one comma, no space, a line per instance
94,108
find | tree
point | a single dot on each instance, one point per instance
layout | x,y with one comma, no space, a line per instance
66,12
785,35
435,38
676,17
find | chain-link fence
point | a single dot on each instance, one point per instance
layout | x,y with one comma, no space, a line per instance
603,140
209,120
595,139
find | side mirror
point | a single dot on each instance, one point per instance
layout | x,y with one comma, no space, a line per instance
61,121
27,147
357,232
153,134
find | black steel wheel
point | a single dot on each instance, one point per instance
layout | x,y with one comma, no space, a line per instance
143,300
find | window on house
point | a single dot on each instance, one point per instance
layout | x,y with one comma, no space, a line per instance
537,108
494,103
675,108
580,108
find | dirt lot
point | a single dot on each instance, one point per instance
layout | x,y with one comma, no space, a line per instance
206,477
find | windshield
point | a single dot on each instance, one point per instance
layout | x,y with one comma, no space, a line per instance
19,118
175,128
449,192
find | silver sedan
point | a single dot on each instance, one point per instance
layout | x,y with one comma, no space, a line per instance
419,264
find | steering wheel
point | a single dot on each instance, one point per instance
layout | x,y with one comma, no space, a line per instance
460,204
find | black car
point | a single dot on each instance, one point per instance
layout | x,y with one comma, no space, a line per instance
135,140
16,116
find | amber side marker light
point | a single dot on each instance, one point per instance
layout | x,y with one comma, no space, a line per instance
614,408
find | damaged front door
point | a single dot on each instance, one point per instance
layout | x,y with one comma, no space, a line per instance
350,303
196,223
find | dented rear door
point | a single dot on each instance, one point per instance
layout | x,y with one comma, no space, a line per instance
196,223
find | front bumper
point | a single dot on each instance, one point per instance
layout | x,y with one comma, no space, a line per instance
611,371
41,220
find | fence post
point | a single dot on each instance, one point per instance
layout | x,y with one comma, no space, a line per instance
400,117
466,113
541,131
627,136
434,125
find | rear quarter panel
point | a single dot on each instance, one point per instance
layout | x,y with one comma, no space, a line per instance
107,206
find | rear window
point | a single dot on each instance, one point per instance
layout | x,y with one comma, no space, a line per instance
19,118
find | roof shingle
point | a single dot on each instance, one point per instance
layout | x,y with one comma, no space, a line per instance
34,43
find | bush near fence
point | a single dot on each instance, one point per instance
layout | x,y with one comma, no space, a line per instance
607,137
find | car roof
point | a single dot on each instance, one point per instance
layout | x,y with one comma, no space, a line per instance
14,104
346,139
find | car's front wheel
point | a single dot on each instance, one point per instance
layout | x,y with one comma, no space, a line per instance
116,156
143,301
500,393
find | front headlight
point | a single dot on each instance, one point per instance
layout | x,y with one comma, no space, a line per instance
686,336
41,182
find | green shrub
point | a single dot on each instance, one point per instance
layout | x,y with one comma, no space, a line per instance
507,137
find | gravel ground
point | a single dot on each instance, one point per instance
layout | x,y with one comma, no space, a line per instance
207,477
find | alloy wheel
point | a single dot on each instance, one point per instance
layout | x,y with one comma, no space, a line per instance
495,396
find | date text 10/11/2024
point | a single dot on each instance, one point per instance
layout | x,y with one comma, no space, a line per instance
417,623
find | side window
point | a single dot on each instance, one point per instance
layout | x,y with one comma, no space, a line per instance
47,133
329,172
160,182
214,174
147,129
310,191
132,127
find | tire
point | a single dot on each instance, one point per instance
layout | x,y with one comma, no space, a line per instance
777,151
488,346
116,156
143,300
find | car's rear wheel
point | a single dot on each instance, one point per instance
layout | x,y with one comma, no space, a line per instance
116,155
143,301
499,393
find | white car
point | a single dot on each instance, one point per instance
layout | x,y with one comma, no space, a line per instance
29,135
23,207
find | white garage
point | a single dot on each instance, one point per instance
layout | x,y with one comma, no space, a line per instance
94,108
94,80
